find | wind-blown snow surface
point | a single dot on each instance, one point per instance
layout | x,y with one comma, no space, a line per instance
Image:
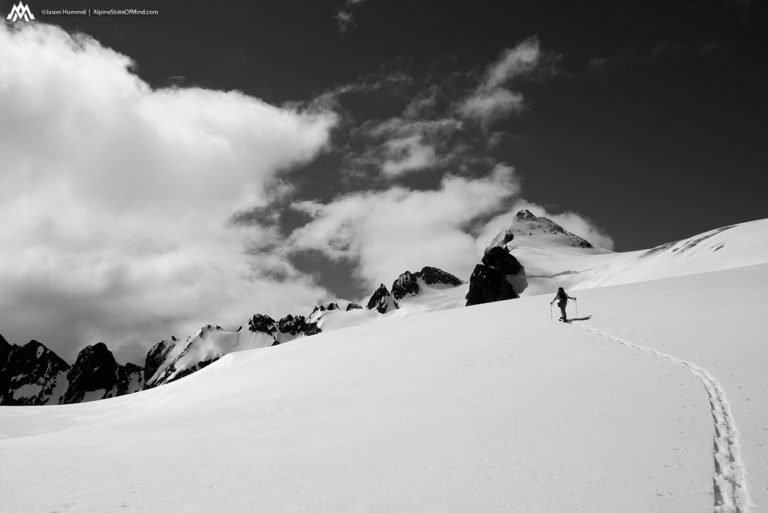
554,260
550,263
490,408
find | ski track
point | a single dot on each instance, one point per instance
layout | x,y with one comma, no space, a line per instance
729,481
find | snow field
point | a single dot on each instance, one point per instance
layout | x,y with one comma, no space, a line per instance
487,408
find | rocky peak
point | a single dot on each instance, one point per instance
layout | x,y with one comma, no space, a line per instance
97,375
31,374
296,325
262,323
93,375
97,354
35,355
156,356
5,350
353,306
525,214
329,307
405,284
526,223
382,300
408,284
433,275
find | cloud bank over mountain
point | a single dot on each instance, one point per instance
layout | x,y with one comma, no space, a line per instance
118,197
141,212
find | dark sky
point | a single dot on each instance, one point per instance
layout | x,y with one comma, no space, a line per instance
653,125
654,128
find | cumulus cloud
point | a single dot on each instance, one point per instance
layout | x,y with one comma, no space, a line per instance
514,62
408,154
492,99
383,233
134,213
117,198
491,105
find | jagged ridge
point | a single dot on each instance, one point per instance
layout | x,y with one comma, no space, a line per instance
407,284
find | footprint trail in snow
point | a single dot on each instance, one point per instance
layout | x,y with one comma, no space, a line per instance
730,485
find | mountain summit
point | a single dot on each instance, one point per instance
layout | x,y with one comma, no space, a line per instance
527,225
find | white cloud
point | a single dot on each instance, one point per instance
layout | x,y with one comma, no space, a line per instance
344,16
386,232
116,198
491,105
492,99
400,145
408,154
344,19
513,63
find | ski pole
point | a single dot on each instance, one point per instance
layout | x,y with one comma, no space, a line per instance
550,312
576,302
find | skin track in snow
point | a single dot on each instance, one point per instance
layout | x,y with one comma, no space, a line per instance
729,482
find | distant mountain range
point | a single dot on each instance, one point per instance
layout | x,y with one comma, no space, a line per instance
33,374
532,255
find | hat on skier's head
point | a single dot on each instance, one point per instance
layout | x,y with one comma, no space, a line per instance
560,289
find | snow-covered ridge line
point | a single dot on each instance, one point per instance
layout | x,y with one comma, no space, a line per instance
729,480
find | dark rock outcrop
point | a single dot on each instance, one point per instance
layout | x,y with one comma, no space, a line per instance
262,323
329,308
501,259
5,350
169,361
491,280
31,374
404,285
156,355
434,276
296,325
382,300
96,375
94,369
353,306
407,284
130,379
488,284
525,215
189,370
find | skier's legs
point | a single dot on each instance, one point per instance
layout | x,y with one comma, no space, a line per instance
562,309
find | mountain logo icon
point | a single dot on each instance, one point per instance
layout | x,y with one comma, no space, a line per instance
20,11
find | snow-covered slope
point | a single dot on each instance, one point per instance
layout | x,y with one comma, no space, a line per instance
489,408
554,260
553,257
172,359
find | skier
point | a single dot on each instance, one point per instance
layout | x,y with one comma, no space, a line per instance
562,299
